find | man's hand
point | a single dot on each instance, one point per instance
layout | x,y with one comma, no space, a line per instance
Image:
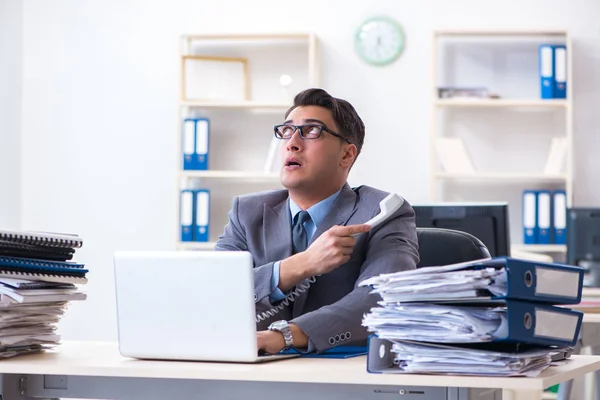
330,250
333,248
272,342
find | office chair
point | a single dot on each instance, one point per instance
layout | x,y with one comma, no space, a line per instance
439,246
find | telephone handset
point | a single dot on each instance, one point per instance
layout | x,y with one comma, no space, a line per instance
388,206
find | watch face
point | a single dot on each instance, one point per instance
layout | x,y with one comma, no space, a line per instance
278,325
379,41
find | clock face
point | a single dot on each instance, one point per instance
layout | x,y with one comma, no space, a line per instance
379,41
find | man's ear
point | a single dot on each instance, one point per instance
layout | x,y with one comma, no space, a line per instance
349,156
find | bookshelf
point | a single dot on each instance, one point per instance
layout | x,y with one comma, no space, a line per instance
507,136
243,84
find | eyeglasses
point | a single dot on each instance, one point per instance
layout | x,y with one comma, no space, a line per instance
310,131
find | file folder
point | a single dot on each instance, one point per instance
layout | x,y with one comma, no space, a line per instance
546,69
381,357
544,216
334,352
529,217
195,143
533,281
202,213
189,143
541,324
560,72
186,215
201,142
511,321
559,217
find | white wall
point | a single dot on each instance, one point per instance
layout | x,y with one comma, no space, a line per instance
100,87
11,64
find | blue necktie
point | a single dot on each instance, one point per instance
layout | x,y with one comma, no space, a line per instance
299,235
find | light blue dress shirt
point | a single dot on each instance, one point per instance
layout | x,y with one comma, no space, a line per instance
317,213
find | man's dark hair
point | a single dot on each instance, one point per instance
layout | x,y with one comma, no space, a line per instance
344,115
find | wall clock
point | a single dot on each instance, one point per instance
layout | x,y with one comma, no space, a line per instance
379,41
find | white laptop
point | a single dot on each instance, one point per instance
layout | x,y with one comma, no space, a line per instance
187,305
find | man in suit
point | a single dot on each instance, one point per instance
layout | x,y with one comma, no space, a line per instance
309,243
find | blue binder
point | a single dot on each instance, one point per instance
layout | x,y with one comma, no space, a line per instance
195,143
560,72
202,215
559,217
201,143
188,143
546,71
544,217
529,217
381,358
539,324
186,215
538,282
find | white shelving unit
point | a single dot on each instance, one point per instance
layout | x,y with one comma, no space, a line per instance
273,68
507,138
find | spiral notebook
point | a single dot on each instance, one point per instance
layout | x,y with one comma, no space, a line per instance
13,249
46,239
42,266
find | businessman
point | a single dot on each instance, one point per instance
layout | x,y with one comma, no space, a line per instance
309,242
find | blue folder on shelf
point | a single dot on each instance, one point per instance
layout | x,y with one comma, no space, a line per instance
546,71
202,215
560,72
559,217
544,217
186,215
529,217
195,143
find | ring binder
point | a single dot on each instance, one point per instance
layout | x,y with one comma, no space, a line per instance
48,239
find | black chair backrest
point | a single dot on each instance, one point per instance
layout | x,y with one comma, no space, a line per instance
439,246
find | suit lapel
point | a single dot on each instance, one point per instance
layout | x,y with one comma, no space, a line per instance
277,230
340,212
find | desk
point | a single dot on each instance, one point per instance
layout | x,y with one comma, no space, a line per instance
589,341
96,370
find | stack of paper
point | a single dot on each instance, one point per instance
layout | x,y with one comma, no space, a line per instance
437,323
489,317
415,357
36,286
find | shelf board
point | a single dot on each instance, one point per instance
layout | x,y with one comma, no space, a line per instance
540,248
247,39
224,174
509,177
501,103
195,245
496,32
241,105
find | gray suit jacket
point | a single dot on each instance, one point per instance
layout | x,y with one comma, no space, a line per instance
330,312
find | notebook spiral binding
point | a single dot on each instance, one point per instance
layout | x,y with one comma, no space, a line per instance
42,239
46,277
34,263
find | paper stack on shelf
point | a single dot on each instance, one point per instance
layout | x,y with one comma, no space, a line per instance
37,282
496,317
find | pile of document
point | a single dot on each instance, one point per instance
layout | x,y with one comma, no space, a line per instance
37,282
497,317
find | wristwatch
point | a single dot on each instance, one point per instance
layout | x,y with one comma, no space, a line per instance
284,328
